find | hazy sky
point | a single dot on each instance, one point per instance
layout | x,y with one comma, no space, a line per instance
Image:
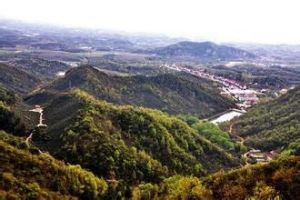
264,21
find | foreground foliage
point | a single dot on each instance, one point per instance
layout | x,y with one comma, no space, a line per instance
276,180
28,174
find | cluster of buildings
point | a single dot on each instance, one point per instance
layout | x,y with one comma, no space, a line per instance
231,88
245,97
259,156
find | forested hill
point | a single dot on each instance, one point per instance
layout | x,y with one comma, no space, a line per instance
173,93
130,144
272,125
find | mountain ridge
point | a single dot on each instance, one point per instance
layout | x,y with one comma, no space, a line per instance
172,93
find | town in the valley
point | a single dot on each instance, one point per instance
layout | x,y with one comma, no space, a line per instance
245,98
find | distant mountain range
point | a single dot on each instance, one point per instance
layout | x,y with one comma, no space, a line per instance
202,50
82,40
14,33
69,41
286,52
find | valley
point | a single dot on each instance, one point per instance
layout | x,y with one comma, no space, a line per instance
244,97
88,114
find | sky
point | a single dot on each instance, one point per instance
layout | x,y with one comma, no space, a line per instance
254,21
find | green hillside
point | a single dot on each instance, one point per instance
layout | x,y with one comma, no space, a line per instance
271,125
173,93
130,144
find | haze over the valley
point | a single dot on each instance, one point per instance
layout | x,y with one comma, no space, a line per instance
252,21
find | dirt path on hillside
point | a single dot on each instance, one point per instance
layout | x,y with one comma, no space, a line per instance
39,110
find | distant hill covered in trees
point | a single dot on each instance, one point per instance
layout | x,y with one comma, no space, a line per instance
172,93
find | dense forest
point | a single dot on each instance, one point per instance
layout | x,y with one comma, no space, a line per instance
172,93
271,125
